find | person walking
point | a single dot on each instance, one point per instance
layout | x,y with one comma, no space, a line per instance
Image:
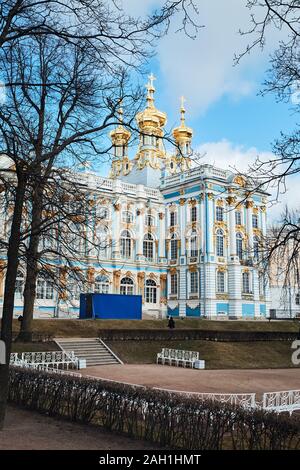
171,323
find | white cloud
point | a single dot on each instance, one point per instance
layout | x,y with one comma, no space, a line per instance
202,69
226,155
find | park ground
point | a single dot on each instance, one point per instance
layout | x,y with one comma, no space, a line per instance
28,430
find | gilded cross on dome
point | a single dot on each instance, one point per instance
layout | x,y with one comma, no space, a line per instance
182,100
151,79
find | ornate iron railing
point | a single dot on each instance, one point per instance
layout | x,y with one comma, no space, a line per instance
284,401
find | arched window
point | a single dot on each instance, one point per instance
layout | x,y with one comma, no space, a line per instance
150,291
101,284
44,288
239,245
126,244
220,243
126,286
220,281
127,217
101,242
148,246
194,245
19,285
174,284
174,247
246,283
255,248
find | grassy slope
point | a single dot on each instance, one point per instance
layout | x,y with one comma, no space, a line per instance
90,328
248,355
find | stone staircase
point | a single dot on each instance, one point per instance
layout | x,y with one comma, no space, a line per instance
93,350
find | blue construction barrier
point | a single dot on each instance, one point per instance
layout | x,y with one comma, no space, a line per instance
110,306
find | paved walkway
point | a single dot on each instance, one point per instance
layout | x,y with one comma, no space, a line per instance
192,380
28,430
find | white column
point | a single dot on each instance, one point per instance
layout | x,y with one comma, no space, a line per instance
162,235
232,240
210,223
263,221
182,224
140,224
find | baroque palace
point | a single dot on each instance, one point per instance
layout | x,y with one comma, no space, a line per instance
184,236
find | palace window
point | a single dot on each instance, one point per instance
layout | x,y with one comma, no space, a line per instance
74,286
44,289
150,292
148,247
101,242
254,221
220,243
127,217
174,284
174,247
126,244
19,285
297,299
255,248
239,245
238,218
173,219
102,213
246,283
262,284
101,284
220,281
149,220
219,214
194,214
194,245
194,282
126,286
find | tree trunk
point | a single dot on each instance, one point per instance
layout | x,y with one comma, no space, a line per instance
9,291
31,269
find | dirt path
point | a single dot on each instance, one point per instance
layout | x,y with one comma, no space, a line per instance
27,430
217,381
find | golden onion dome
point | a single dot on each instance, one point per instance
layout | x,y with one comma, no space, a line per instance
120,135
151,117
182,133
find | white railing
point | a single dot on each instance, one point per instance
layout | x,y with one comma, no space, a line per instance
247,400
53,359
284,401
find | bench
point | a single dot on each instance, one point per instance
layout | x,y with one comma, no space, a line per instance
179,357
45,359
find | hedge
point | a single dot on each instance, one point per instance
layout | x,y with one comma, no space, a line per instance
194,334
169,420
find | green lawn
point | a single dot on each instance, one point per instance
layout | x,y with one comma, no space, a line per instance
90,328
34,347
218,355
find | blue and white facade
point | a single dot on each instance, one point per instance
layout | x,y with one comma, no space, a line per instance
185,237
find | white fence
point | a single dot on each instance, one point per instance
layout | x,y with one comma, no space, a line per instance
285,401
47,359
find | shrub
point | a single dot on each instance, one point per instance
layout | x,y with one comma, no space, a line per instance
168,419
